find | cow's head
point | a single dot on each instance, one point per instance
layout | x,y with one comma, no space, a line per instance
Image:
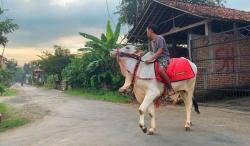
128,49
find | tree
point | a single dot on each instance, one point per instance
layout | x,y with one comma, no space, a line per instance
2,89
11,69
7,74
27,69
130,10
19,75
95,67
206,2
54,63
4,77
6,26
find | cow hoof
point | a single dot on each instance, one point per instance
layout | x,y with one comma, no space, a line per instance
187,129
144,130
120,90
150,133
191,124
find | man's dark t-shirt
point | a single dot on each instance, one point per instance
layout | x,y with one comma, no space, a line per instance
159,42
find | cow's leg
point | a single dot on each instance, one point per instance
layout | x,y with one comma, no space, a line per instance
175,98
151,111
187,97
149,98
141,122
127,83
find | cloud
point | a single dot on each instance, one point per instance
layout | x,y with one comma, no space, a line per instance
239,4
23,55
43,23
62,3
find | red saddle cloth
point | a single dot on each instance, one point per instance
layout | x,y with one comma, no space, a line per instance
179,69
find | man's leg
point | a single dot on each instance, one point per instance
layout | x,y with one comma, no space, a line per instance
166,79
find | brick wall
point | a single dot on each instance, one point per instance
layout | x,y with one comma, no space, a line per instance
222,65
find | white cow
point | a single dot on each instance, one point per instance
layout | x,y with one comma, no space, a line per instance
146,91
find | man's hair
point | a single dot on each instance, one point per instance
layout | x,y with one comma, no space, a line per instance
154,28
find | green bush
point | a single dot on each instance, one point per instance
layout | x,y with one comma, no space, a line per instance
2,89
50,82
5,78
95,68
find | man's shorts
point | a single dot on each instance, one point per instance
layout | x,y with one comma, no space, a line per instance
163,62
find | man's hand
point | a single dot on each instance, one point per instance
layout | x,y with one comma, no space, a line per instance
148,61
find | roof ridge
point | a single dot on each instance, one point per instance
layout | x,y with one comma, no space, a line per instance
207,11
203,5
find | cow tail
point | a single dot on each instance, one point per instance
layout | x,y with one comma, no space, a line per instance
196,106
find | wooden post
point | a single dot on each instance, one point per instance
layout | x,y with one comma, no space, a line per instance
190,46
208,33
237,66
208,28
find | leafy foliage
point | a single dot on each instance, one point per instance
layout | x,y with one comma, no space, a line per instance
50,82
6,26
19,75
27,68
8,73
206,2
130,10
2,88
54,63
95,68
4,77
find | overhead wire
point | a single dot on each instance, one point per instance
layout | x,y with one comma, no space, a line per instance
108,12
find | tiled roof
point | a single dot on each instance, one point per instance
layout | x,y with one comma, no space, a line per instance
208,11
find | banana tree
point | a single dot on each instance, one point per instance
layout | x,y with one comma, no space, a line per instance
106,42
102,70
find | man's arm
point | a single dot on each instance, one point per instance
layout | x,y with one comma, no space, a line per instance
157,54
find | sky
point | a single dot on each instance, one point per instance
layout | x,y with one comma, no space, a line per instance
44,23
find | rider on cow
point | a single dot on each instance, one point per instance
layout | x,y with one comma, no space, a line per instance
157,44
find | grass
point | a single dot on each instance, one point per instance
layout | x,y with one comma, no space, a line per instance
11,119
99,94
10,92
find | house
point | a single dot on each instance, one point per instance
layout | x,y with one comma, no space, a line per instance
216,39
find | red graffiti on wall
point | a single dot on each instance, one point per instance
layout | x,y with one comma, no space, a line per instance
224,59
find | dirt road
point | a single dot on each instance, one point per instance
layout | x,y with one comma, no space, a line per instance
62,120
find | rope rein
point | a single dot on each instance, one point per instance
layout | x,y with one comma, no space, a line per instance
138,58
